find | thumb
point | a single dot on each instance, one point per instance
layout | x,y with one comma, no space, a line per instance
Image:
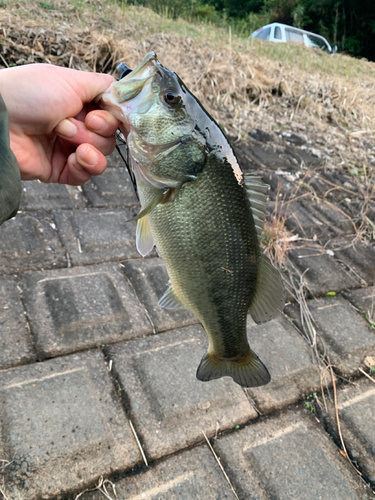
90,85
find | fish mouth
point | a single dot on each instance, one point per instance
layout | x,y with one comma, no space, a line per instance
119,97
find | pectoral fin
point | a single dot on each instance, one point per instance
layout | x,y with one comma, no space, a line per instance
144,238
159,198
170,299
248,371
268,300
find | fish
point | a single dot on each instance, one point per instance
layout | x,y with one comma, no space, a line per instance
204,215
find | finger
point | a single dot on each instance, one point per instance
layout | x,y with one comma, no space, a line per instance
102,122
90,85
81,165
76,133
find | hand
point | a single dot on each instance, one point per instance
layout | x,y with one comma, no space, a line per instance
56,133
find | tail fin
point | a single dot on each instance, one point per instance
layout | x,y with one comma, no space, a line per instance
248,371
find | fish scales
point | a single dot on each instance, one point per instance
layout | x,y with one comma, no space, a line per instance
211,254
203,214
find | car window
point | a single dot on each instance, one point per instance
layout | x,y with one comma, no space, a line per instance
277,34
317,42
293,36
264,34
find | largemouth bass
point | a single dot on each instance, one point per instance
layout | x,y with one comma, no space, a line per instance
204,215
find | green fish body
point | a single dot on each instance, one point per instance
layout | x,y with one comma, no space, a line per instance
203,214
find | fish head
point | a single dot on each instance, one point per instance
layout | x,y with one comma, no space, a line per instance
155,111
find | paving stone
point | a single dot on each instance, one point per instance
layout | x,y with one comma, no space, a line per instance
324,189
149,278
28,242
81,307
346,334
37,195
193,474
279,185
63,419
270,158
359,257
260,135
324,273
304,222
97,235
291,458
169,406
15,342
288,359
363,299
302,155
294,139
356,405
114,160
113,188
331,216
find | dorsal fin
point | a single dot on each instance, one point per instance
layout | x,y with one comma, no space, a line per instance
257,193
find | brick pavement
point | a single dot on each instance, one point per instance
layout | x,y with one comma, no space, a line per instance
96,379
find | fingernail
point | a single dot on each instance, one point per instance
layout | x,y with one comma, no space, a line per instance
90,156
96,123
66,128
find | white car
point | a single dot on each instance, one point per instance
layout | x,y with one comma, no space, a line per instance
277,32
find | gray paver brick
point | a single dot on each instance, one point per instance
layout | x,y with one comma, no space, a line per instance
169,406
15,342
288,359
62,419
36,195
305,223
332,217
97,235
356,405
29,241
290,458
363,299
193,474
149,278
113,188
324,273
81,307
360,257
346,334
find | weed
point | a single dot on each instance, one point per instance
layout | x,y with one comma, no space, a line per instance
310,406
368,317
46,5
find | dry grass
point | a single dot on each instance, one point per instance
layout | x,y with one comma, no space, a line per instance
241,82
245,84
276,239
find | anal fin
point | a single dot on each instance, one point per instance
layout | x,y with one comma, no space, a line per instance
170,300
248,371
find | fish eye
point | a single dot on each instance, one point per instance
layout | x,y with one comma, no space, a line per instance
171,97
